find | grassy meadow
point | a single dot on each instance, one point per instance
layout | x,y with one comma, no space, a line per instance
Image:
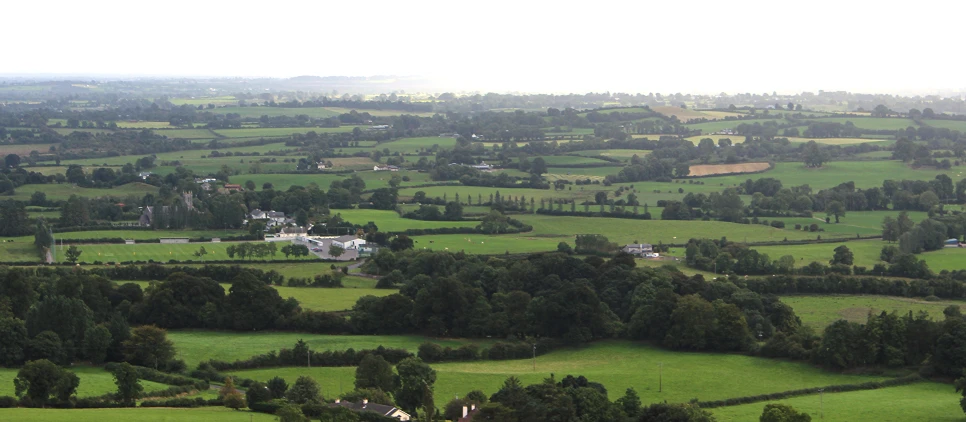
820,311
616,364
196,346
94,381
62,191
162,252
165,414
865,174
925,401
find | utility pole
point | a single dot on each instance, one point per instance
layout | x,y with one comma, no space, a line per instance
821,403
534,356
660,377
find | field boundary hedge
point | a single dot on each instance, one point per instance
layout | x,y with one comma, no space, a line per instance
840,388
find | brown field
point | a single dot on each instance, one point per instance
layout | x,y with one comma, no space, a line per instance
352,162
712,169
24,149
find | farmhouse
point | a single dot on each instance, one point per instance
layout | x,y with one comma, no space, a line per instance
165,213
256,214
232,188
348,242
320,165
144,175
385,168
365,406
639,249
380,127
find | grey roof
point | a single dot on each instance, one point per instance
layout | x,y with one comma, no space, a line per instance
345,238
367,407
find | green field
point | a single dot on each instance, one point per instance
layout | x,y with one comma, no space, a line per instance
947,124
861,222
195,346
820,311
161,252
94,381
623,154
187,133
63,191
655,231
390,221
319,299
414,145
925,401
872,123
866,252
167,414
279,132
945,259
324,299
616,364
865,174
549,231
256,112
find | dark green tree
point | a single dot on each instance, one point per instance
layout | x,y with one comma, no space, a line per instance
305,390
375,372
148,346
97,340
40,379
13,341
128,386
776,412
278,387
73,254
843,255
415,377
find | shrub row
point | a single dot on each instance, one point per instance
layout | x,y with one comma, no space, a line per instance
614,214
99,240
289,357
871,385
838,284
183,402
162,377
432,352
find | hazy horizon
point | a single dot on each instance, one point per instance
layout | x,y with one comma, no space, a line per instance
696,47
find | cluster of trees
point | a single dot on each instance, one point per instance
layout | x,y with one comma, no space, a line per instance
452,212
724,206
886,339
559,296
770,196
260,250
570,398
927,235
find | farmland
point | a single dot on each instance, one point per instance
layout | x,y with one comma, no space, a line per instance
196,346
204,414
924,401
94,381
159,252
616,364
620,320
820,311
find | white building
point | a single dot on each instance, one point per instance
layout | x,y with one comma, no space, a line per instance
348,242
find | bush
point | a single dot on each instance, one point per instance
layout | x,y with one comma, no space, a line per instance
7,402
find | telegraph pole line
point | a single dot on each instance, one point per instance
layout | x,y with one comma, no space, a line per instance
660,377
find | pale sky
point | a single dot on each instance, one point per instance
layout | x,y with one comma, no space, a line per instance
694,46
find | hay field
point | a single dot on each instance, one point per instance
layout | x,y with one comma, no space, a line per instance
712,169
